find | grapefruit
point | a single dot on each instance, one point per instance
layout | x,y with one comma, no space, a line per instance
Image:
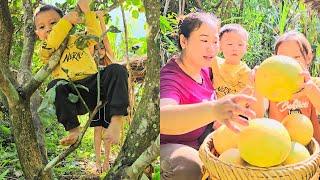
299,127
277,78
264,143
298,153
232,156
223,139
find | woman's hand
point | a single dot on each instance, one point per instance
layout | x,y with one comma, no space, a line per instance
233,108
307,87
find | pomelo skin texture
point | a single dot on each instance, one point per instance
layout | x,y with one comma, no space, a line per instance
232,156
298,153
224,139
264,143
300,128
278,78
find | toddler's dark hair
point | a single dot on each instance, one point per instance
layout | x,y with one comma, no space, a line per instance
47,8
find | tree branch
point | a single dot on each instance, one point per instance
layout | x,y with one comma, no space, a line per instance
166,7
146,117
130,84
218,5
114,5
146,158
45,71
199,4
73,147
29,36
7,83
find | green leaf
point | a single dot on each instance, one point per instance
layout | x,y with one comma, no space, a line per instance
82,41
71,1
114,29
135,14
73,98
165,25
47,110
6,131
4,174
136,2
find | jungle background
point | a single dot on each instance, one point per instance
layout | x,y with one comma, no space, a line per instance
133,27
265,20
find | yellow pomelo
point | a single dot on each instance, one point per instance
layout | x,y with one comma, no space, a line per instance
277,78
264,143
298,153
232,156
299,127
223,139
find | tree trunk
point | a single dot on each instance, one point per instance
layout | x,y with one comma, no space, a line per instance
24,76
144,128
23,130
29,151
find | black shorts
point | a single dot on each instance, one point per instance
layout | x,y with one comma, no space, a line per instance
113,91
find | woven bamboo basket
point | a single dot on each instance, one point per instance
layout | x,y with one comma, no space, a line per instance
216,169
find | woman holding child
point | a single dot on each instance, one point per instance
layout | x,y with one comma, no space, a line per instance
188,100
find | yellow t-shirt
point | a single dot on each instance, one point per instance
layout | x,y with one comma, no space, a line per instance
78,63
229,78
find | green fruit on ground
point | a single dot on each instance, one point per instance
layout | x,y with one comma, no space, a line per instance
264,143
278,78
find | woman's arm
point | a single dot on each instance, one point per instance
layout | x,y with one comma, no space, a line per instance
314,96
178,119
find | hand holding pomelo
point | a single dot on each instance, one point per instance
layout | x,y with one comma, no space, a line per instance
278,78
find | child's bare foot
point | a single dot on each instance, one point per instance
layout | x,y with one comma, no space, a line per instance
106,166
71,138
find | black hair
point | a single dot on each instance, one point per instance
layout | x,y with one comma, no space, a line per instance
233,28
193,21
47,8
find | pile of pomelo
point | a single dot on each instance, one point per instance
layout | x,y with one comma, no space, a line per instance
265,142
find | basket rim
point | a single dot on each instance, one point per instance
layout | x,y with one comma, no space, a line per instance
204,149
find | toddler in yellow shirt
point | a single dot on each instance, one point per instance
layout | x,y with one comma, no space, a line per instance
77,65
231,75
